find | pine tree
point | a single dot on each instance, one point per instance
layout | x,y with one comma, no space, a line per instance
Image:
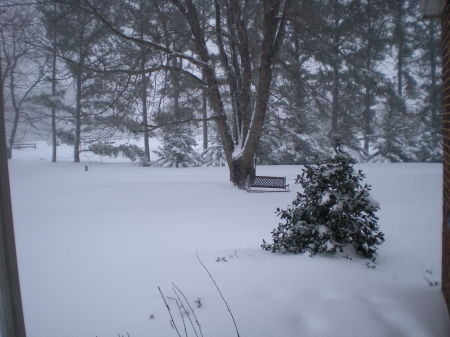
430,137
177,150
333,211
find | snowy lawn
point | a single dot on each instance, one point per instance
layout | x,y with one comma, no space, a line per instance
93,247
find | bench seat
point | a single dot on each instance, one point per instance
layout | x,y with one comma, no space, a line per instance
268,184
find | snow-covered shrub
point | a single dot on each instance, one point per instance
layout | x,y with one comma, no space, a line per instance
334,210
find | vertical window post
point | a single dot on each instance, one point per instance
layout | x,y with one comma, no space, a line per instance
11,313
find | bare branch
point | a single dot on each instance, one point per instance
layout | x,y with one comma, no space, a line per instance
17,4
220,292
180,307
170,313
192,311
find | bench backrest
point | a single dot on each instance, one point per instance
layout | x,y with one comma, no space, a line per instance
269,182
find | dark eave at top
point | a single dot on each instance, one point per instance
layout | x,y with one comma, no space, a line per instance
432,8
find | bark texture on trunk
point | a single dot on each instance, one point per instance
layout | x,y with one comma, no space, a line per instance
242,173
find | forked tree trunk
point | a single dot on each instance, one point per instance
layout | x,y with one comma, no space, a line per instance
240,157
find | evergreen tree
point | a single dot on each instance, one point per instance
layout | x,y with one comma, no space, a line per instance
430,114
178,149
395,141
100,104
334,210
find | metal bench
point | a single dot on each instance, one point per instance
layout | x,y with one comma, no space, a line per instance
268,184
24,145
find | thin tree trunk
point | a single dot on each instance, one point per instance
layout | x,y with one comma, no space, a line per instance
145,112
400,55
367,115
53,112
335,103
204,116
176,90
335,94
367,119
144,92
77,142
145,109
434,88
78,93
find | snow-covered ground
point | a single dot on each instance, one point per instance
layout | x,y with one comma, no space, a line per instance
93,247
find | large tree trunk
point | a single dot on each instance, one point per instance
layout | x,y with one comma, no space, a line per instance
240,158
242,169
242,172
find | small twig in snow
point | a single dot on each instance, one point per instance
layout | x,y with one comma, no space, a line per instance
182,316
172,322
192,311
220,293
184,310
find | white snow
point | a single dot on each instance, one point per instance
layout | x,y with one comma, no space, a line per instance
93,247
